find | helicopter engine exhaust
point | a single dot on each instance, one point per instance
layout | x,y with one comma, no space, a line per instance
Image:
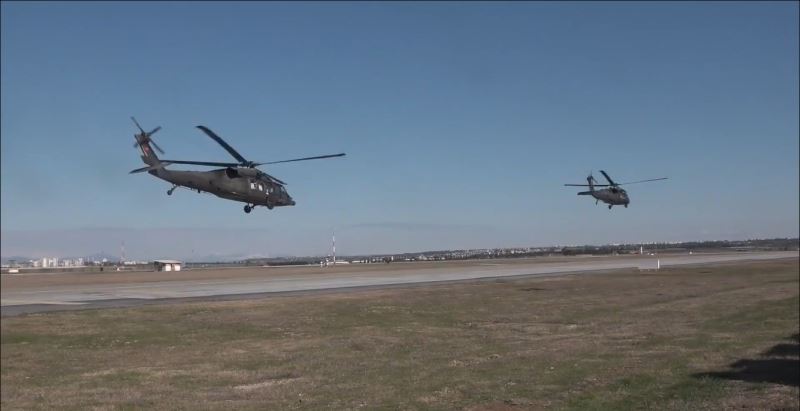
241,172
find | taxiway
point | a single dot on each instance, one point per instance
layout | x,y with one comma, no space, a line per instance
26,293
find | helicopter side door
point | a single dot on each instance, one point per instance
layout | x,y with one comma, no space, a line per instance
257,189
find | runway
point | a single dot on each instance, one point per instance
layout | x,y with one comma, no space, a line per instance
27,293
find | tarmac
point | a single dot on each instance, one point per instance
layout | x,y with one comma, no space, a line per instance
31,293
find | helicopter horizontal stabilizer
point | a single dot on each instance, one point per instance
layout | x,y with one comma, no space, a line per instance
585,193
150,168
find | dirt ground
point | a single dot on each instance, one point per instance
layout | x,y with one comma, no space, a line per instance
710,337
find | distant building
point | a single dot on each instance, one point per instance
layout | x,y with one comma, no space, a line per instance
167,265
49,262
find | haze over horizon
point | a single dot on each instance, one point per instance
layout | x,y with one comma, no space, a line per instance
150,244
461,123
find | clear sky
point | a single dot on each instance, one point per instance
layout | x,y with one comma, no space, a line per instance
461,122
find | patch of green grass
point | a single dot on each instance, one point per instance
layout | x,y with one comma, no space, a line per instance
612,341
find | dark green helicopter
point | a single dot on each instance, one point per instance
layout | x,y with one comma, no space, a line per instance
240,181
613,195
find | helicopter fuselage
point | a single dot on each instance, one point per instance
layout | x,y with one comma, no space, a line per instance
611,196
240,181
229,184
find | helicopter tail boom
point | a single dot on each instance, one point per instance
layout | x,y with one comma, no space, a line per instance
148,155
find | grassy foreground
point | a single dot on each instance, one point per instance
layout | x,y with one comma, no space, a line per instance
714,337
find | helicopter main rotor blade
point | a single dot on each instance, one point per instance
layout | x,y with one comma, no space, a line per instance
586,185
224,145
202,163
302,159
610,181
644,181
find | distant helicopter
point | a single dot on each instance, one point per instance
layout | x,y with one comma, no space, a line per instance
240,181
613,195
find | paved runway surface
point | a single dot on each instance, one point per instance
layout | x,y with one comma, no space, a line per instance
26,293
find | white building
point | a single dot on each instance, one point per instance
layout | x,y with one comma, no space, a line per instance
167,265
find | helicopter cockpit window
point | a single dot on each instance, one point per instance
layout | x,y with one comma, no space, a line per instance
260,187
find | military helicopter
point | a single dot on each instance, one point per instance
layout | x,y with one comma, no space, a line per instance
240,181
613,195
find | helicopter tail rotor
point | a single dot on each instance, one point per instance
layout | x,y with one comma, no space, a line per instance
145,137
591,182
144,141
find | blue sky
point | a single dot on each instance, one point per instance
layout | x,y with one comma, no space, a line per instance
461,122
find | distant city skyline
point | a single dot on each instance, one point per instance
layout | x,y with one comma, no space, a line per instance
461,123
777,244
147,245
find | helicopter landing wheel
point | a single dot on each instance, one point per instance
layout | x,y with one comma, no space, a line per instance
609,206
248,209
169,192
270,206
626,206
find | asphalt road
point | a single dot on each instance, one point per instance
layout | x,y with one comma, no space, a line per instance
27,293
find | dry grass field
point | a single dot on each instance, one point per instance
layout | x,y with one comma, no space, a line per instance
710,337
